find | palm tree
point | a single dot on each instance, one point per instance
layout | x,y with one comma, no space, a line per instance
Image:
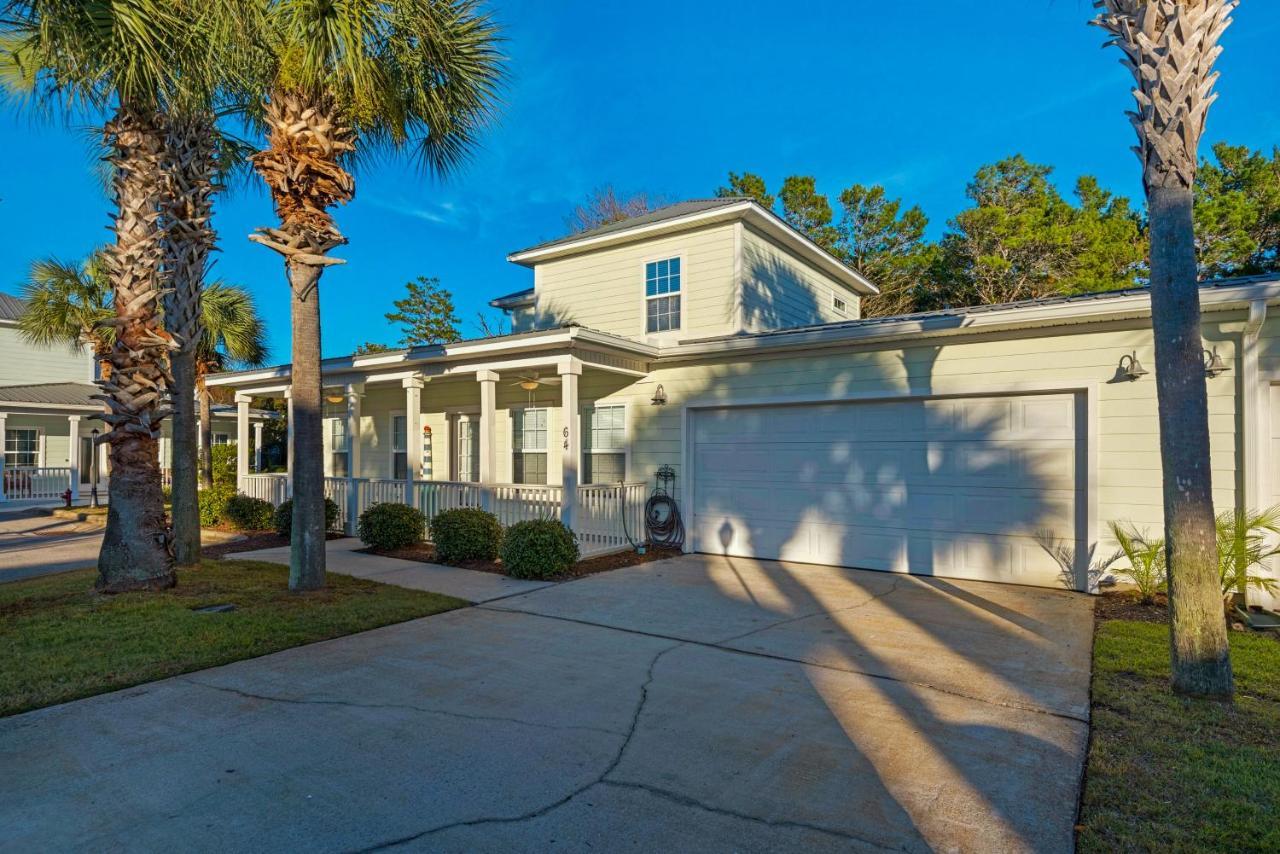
120,57
424,73
1171,46
66,303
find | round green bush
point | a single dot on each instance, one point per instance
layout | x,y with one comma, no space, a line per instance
467,533
284,517
213,503
245,513
542,548
223,461
391,526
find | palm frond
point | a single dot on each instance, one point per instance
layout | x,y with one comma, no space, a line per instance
233,333
66,304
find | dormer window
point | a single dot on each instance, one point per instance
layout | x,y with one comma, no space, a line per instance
662,295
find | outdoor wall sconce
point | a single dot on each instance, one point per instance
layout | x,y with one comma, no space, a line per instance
333,397
660,396
1130,368
1213,364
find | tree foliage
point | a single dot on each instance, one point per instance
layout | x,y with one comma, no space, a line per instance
750,185
1238,212
605,205
426,315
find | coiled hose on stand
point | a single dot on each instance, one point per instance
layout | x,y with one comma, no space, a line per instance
662,514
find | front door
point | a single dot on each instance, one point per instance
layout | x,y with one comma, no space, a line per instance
86,459
467,458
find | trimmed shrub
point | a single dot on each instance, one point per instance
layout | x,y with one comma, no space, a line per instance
224,464
391,526
467,533
246,513
541,548
284,517
213,503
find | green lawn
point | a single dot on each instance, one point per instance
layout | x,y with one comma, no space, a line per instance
60,641
1174,774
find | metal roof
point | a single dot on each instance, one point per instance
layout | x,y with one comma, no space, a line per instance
513,300
972,310
81,395
53,394
11,307
662,214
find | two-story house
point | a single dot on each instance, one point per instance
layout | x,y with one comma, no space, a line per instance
712,338
48,418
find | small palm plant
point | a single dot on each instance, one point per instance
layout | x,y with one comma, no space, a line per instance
1147,569
1247,539
67,304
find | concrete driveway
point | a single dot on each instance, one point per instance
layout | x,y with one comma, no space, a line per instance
34,543
698,704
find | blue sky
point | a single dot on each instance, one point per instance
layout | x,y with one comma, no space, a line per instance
667,97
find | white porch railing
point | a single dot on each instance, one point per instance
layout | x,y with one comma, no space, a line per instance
609,517
609,513
25,482
276,488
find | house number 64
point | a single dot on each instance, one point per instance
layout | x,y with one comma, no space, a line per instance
566,438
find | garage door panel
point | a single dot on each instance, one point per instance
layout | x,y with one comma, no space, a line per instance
962,490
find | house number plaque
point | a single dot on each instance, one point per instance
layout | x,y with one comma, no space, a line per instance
566,438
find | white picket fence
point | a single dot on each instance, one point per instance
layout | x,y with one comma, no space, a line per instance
610,516
29,482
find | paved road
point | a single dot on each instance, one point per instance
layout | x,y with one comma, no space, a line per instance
697,704
32,543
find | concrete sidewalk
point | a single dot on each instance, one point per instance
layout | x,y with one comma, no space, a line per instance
344,556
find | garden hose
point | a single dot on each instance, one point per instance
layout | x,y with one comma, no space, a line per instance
662,518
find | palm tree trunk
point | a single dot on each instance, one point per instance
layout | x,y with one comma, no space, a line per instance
135,547
206,434
307,556
303,169
190,166
1198,635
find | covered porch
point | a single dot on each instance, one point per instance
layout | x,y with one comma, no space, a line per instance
526,426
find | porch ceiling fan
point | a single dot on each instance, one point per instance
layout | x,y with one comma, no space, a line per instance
532,382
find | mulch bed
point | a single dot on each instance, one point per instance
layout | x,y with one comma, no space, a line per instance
426,553
1124,605
253,540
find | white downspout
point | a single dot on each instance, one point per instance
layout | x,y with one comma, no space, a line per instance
1252,406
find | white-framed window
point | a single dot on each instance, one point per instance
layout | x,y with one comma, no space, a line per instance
838,303
222,438
604,444
467,449
399,446
662,289
339,448
529,446
21,447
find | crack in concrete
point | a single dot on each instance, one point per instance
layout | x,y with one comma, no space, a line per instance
685,800
544,810
294,701
716,645
818,613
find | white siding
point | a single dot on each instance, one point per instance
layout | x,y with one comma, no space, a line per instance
604,290
25,364
781,291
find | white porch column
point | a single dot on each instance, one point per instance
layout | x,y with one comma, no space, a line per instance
288,403
2,444
488,423
257,446
571,447
353,392
242,440
413,429
73,453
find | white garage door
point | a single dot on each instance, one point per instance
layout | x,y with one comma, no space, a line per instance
954,487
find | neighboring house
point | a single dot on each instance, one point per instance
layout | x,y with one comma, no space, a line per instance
48,417
712,338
